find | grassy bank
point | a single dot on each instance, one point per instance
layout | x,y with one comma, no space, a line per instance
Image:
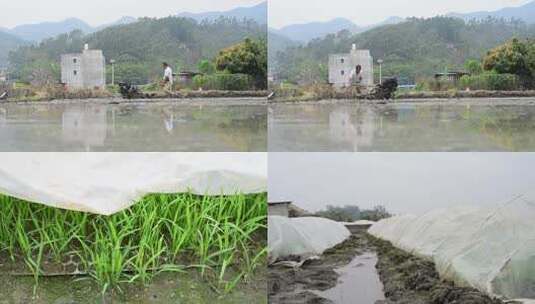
222,237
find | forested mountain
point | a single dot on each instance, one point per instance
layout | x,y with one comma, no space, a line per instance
257,13
8,43
121,21
307,31
42,30
524,13
139,48
412,49
39,31
278,43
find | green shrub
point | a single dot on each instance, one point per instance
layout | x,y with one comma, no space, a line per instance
206,67
490,81
223,81
134,73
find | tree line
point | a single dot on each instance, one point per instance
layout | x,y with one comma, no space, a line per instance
411,50
139,48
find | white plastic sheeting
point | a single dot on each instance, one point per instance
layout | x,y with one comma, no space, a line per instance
105,183
302,236
492,250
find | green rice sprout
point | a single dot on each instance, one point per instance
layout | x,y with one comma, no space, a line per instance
160,233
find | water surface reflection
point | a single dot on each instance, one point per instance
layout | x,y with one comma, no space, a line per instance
401,127
133,127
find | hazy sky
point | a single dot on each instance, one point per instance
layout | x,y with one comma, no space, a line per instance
403,182
365,12
97,12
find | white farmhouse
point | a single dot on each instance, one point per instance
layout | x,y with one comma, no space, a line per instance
84,70
342,65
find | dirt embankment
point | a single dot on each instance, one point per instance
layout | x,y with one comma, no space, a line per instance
54,93
407,279
464,94
329,93
204,94
411,280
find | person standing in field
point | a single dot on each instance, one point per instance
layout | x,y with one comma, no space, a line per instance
167,77
356,75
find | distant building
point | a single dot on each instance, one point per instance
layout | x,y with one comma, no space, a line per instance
453,76
341,66
286,209
279,208
84,70
185,78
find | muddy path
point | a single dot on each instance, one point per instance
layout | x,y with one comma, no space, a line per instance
296,286
407,279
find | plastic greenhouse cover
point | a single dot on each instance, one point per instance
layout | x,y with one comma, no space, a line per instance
303,236
491,249
105,183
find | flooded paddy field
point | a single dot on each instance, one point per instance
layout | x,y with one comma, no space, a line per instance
219,124
424,126
395,277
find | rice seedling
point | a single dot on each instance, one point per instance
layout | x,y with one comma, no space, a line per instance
160,233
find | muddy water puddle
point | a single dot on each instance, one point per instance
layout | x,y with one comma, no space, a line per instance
100,125
358,283
484,125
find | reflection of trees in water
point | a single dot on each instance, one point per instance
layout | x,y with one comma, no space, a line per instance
402,127
510,127
238,132
142,127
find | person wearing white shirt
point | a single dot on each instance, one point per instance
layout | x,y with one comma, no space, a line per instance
356,75
167,77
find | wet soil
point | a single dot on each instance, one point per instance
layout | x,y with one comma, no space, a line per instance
411,280
355,95
57,287
296,285
407,279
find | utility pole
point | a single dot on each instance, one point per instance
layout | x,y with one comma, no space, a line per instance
380,62
112,72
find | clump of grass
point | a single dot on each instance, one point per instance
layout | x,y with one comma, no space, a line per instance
162,232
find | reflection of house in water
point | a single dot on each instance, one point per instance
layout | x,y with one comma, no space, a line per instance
3,116
341,67
357,130
85,125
